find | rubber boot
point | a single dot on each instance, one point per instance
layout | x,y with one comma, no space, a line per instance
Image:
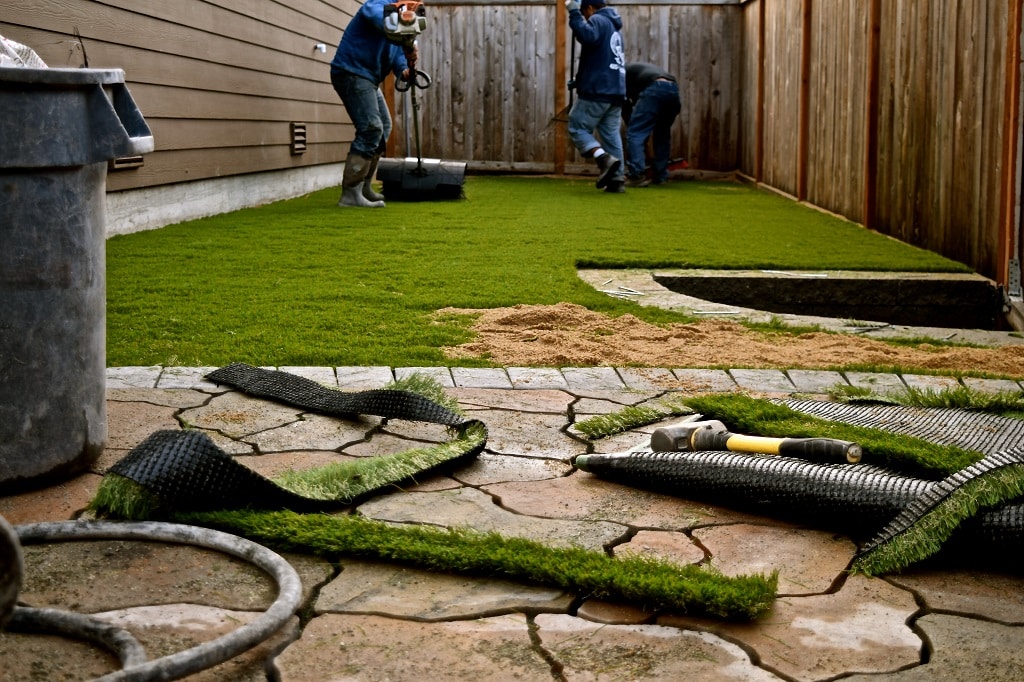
368,190
356,168
609,166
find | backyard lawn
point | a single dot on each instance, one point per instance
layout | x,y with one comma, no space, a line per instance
303,282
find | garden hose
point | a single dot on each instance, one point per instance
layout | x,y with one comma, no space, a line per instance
130,653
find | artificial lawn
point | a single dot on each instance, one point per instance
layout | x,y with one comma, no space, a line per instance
303,282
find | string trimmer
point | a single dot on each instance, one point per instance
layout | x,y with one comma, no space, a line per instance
416,179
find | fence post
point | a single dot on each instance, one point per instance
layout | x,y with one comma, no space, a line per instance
805,86
561,28
871,125
1009,245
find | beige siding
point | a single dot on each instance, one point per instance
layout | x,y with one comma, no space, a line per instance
218,81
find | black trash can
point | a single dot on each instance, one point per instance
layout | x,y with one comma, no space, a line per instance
58,130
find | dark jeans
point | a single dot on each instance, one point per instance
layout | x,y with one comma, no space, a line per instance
365,105
655,111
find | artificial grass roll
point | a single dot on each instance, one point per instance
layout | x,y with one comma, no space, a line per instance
644,582
921,531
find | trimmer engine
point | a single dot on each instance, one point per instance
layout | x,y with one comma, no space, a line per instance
404,21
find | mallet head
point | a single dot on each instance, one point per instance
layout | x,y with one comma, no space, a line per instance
679,438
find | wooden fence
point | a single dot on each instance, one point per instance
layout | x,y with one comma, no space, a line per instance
500,71
897,114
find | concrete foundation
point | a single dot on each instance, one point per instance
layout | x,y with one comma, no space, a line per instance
151,208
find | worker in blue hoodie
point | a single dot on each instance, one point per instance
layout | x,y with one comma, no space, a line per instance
600,84
368,51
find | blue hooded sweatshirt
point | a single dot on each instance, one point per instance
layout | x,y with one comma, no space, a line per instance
364,49
601,75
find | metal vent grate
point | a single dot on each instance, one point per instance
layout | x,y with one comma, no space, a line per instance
125,162
298,138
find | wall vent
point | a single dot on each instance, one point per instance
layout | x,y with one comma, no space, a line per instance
124,163
298,138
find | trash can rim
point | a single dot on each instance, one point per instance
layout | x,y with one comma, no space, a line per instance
60,76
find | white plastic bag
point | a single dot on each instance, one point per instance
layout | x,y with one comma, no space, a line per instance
16,54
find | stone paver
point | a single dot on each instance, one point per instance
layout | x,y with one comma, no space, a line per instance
815,380
363,378
59,502
704,380
128,424
487,469
595,651
928,382
537,378
355,647
964,650
187,377
369,620
645,379
592,378
471,508
236,415
132,377
441,375
312,432
762,380
992,385
809,561
528,435
321,375
480,377
877,382
667,545
860,628
994,596
403,592
550,401
585,497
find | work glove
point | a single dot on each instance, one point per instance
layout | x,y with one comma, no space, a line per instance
571,5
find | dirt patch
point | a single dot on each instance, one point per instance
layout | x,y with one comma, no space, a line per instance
568,334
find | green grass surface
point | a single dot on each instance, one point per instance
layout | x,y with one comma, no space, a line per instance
302,282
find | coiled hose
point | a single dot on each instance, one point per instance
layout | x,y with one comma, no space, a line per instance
128,650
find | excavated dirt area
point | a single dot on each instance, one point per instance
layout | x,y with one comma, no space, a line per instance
568,334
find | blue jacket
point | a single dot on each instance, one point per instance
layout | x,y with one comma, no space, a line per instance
364,49
601,74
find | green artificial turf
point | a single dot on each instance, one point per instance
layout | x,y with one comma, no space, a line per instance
302,282
644,582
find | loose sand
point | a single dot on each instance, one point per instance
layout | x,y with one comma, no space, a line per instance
567,334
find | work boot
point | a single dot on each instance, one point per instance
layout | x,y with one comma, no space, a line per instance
368,190
356,168
608,165
616,187
637,181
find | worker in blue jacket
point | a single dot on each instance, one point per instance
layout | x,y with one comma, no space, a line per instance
652,106
600,84
368,51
